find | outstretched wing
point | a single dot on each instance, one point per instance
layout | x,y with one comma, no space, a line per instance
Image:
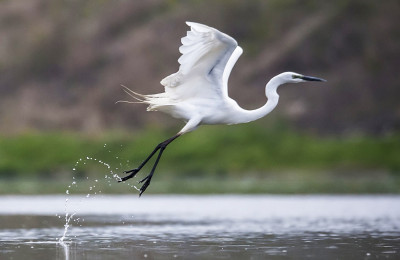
207,59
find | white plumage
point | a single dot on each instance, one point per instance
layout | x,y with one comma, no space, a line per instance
198,92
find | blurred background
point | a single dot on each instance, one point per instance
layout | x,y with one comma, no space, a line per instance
62,64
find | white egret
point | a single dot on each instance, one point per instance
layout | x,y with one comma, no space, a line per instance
198,92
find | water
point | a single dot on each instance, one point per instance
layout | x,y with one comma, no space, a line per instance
200,227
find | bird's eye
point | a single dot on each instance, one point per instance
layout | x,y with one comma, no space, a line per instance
294,76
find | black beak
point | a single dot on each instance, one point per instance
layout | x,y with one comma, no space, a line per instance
307,78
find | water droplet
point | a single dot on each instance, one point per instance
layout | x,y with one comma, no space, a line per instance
73,169
67,191
87,196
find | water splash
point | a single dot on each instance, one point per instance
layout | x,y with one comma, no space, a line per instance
66,225
61,241
111,177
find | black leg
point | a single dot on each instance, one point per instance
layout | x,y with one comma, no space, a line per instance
147,179
161,146
133,172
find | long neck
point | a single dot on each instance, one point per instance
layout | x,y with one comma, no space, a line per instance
273,98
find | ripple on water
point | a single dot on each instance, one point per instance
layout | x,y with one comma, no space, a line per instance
164,226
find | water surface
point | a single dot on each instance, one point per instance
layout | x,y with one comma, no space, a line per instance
199,227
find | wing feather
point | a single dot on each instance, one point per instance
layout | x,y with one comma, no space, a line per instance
205,54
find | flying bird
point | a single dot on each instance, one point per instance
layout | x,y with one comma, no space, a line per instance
198,92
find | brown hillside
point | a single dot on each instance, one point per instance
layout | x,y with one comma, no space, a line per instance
62,62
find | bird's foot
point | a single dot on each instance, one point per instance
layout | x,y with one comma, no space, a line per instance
131,175
146,183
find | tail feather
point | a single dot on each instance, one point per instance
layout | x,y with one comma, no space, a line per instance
155,101
139,97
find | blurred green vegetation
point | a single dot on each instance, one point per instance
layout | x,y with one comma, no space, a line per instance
300,182
241,159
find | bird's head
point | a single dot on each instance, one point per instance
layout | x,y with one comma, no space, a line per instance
293,77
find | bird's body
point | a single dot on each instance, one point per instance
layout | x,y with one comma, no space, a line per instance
198,92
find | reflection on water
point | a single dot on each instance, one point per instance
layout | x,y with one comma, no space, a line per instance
182,227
